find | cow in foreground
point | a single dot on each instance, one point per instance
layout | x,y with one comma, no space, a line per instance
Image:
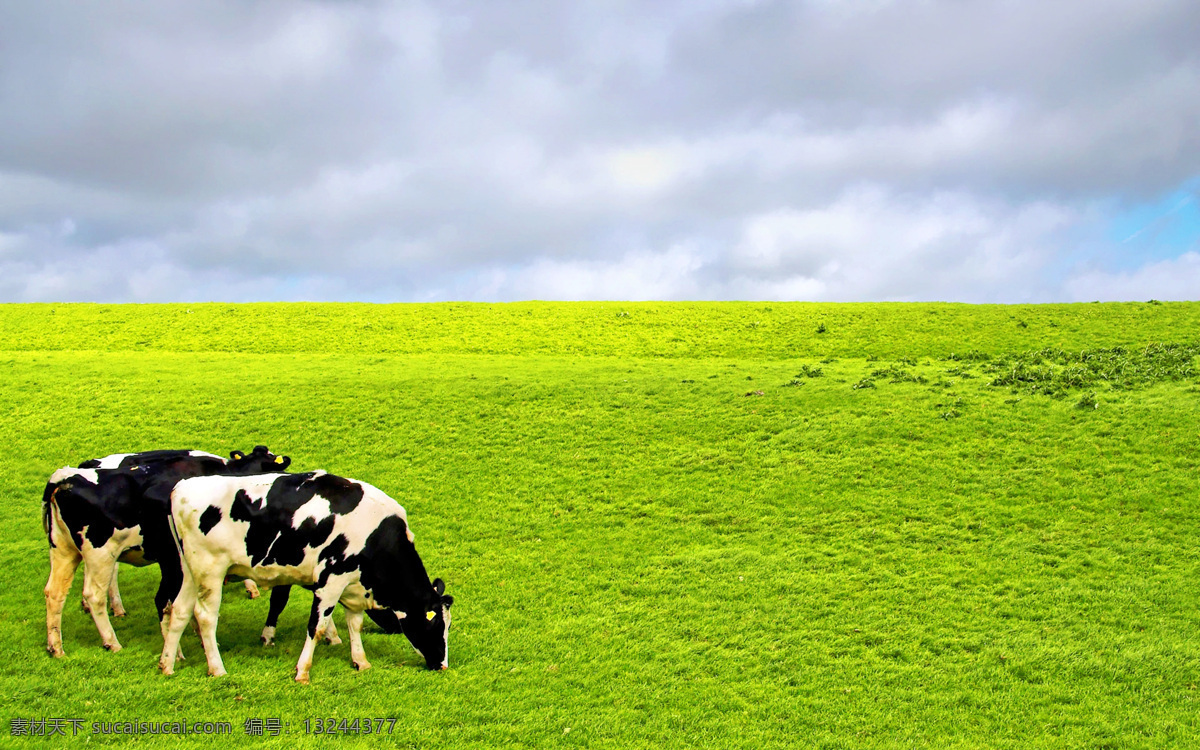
345,540
116,509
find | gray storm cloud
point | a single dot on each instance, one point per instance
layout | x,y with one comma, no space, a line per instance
696,150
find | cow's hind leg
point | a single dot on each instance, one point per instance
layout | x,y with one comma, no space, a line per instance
177,614
251,589
63,563
114,594
170,583
358,655
96,577
208,605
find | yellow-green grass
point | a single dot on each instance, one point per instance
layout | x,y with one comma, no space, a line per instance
643,555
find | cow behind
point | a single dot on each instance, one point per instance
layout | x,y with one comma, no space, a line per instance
345,539
115,509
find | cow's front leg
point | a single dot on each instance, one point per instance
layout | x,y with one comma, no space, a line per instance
114,594
324,600
96,576
328,631
358,655
208,605
251,589
63,563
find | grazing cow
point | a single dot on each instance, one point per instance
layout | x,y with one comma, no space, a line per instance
345,540
115,509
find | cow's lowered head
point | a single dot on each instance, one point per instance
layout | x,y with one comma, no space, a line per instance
427,626
258,461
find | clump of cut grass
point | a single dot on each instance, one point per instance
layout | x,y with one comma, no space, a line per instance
808,371
895,374
972,356
864,383
1055,371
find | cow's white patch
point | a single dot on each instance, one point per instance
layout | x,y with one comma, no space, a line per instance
272,545
317,509
204,454
257,492
446,637
67,472
113,461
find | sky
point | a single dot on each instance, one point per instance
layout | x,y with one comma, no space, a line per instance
830,150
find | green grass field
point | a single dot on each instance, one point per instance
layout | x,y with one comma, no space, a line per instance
664,524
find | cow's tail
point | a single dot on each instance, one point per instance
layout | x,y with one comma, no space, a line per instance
47,502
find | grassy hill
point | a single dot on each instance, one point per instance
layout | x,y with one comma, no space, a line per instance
664,524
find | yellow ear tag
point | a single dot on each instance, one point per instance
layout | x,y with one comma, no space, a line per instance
279,459
430,615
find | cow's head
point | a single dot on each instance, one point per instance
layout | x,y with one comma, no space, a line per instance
428,628
258,461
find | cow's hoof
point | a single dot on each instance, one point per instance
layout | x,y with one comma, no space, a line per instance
118,613
362,666
302,678
113,647
167,669
57,653
268,642
333,640
217,672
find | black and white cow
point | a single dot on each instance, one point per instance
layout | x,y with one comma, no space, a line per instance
345,540
116,509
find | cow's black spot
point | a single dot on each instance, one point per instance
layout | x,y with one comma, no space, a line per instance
392,569
242,508
209,519
387,619
271,538
343,495
336,560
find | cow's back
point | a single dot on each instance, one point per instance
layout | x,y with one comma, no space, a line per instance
279,528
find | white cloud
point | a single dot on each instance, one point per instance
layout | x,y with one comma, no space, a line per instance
769,149
638,275
871,244
1175,279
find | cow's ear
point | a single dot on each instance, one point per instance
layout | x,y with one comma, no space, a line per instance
447,601
439,586
283,461
237,455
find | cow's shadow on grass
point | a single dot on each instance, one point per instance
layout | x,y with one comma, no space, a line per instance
238,633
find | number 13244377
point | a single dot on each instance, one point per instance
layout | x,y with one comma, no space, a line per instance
349,726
